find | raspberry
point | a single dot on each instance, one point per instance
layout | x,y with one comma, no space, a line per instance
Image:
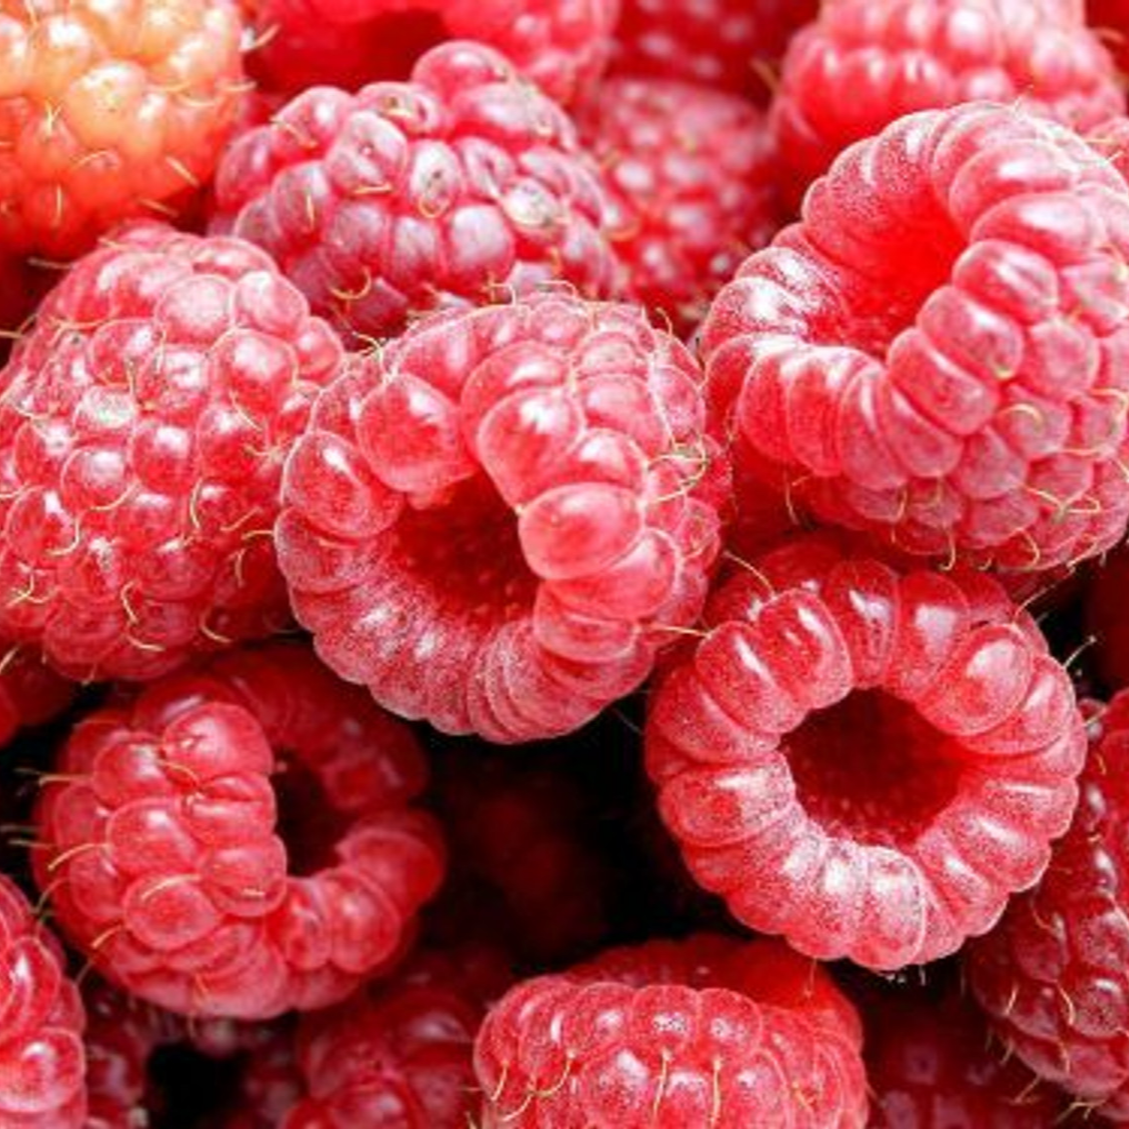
708,1031
460,185
41,1023
1052,975
864,760
30,694
865,63
143,424
166,863
109,110
691,170
937,352
1110,21
1106,619
495,523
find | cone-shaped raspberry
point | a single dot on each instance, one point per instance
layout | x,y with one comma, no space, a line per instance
143,425
705,1032
30,694
41,1023
495,523
864,63
864,760
170,860
109,109
458,187
691,172
939,351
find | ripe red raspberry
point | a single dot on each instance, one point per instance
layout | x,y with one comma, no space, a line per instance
864,760
691,171
495,522
143,424
708,1031
457,187
107,110
41,1023
864,63
1110,21
166,858
1106,620
30,694
937,352
1053,974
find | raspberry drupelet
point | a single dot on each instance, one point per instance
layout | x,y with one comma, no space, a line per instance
197,882
864,760
938,352
709,1031
496,523
31,693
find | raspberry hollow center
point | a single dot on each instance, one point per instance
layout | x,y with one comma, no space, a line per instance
307,821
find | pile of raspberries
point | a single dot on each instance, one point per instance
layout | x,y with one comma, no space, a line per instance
564,564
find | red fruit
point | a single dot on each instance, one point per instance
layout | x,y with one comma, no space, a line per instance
865,63
691,170
143,424
1053,974
30,694
1106,620
706,1032
41,1022
109,110
864,760
166,862
1110,21
496,522
939,351
453,189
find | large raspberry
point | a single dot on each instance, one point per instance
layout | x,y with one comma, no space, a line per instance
462,185
864,760
109,109
939,351
143,425
165,859
497,522
691,170
41,1022
865,63
705,1032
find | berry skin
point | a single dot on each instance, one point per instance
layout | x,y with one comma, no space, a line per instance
937,352
109,110
863,760
496,522
41,1025
705,1032
691,170
452,189
865,63
143,424
30,694
165,861
1052,975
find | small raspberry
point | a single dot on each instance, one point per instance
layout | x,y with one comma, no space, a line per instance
109,109
864,760
166,862
691,171
143,424
864,63
41,1023
705,1032
30,694
459,186
938,351
495,523
1053,974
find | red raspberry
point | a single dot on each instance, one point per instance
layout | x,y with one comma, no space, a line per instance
1053,974
166,863
937,352
143,424
864,760
456,187
1110,20
41,1022
30,694
691,170
496,522
109,109
865,63
705,1032
1106,619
